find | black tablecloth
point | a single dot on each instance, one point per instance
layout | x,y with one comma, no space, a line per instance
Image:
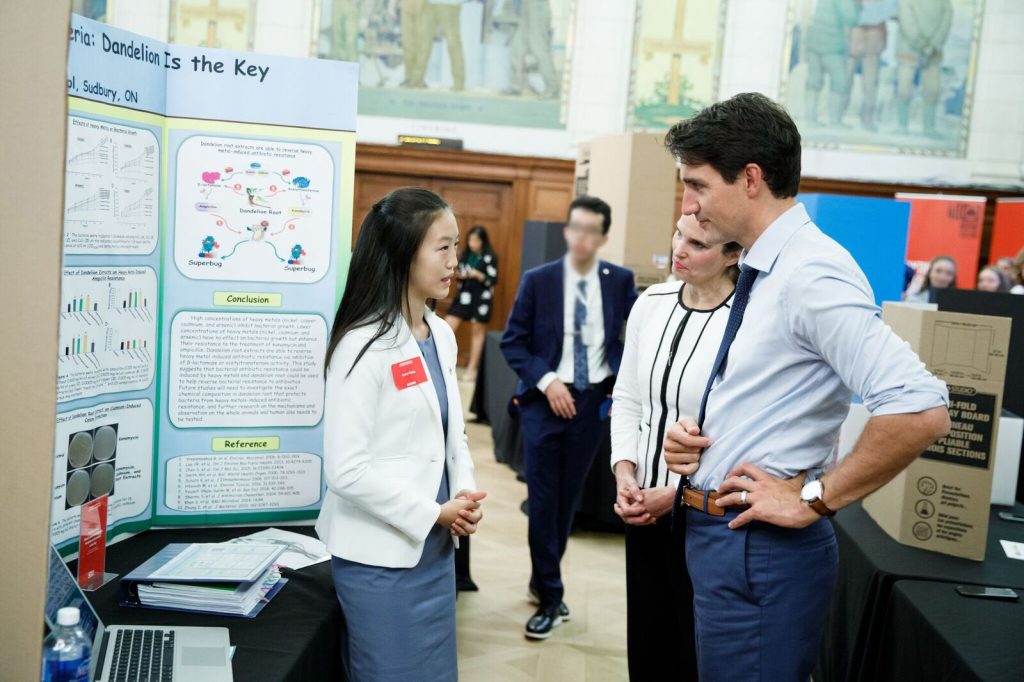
496,384
932,633
871,563
297,636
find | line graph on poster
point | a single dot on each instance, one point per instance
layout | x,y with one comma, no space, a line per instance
111,188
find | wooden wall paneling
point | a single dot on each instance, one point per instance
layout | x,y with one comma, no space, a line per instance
549,200
488,204
369,189
497,191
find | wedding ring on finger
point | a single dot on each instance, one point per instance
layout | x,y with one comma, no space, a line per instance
743,497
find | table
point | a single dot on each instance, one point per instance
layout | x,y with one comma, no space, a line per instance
297,636
870,566
932,633
495,386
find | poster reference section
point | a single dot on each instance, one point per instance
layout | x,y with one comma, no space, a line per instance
207,227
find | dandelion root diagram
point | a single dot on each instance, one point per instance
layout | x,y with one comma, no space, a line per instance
253,210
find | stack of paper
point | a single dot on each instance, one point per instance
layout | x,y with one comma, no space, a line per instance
222,578
235,599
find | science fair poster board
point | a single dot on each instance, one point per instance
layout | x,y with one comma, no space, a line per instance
1007,229
946,225
873,230
207,232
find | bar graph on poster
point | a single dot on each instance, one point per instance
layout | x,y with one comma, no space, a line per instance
107,333
207,234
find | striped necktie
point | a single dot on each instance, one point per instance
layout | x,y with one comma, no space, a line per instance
580,359
739,305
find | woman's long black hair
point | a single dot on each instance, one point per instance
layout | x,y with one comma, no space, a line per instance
486,249
378,275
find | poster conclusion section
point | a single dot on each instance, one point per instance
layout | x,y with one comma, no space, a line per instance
207,231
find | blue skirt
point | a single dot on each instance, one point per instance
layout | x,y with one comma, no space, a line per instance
400,622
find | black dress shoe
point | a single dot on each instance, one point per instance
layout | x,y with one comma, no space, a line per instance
563,610
543,622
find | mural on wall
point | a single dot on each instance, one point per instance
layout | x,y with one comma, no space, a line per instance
501,62
882,75
677,56
227,24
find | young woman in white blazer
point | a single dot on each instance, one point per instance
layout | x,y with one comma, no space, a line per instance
399,475
672,339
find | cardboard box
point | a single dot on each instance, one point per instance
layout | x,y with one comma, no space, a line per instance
1008,450
1008,453
636,175
941,501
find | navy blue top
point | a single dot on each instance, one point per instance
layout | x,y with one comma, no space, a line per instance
429,350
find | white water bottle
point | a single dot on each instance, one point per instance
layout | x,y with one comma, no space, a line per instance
67,649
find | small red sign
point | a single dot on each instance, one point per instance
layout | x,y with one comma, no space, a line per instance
408,373
92,544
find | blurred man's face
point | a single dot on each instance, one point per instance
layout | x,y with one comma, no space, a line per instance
584,234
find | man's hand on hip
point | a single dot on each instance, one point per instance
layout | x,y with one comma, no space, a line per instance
772,500
683,445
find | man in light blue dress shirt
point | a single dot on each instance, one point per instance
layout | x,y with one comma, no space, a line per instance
760,462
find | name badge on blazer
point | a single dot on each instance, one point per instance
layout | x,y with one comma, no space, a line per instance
408,373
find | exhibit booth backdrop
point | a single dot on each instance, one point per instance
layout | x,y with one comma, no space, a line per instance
874,231
207,227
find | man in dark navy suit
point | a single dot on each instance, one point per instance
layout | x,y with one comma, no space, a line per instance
564,340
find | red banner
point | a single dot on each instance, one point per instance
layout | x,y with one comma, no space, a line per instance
1007,230
92,543
946,226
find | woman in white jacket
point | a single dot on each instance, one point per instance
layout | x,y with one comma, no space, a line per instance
398,470
672,339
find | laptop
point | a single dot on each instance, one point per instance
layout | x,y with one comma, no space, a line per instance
123,653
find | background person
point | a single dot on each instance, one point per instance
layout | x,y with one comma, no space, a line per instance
1014,269
940,273
474,298
564,340
994,280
